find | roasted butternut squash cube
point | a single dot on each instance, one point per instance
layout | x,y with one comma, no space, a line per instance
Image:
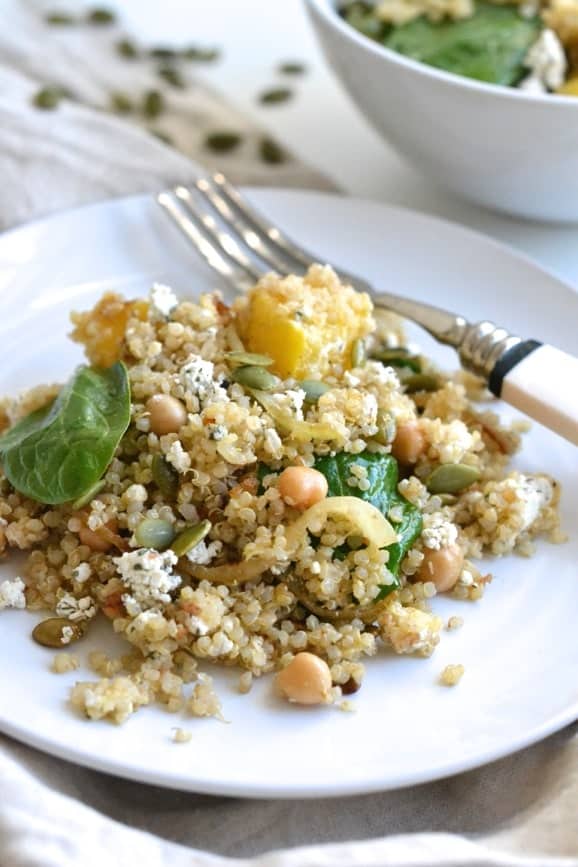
306,324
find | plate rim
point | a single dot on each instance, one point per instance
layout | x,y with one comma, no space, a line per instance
443,769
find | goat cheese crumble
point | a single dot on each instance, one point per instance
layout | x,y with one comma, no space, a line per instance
75,609
546,61
148,575
178,457
437,532
197,376
203,554
162,300
12,593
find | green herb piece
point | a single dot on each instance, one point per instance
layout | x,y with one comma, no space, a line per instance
59,19
271,152
452,478
200,55
190,538
292,67
48,98
275,96
382,475
59,452
489,46
127,48
163,136
222,142
153,104
101,16
172,76
120,103
154,533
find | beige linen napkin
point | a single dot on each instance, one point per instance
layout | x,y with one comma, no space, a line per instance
518,812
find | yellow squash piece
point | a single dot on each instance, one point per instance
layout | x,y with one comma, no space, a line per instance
305,324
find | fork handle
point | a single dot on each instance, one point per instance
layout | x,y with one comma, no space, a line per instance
542,382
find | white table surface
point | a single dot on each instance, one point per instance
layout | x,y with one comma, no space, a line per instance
321,124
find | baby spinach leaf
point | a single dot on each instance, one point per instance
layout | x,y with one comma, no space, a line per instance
489,46
59,452
382,475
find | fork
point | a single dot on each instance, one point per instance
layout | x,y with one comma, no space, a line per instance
240,244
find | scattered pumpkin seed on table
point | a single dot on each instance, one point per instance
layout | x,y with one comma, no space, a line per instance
200,55
120,103
100,15
127,49
50,632
271,152
161,52
172,76
222,142
292,67
153,104
190,538
451,478
47,98
59,19
275,96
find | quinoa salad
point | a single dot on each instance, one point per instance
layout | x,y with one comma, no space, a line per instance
529,44
282,485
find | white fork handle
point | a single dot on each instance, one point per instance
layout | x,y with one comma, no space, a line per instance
544,385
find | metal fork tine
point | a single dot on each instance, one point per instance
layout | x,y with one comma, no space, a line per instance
299,258
217,259
259,243
224,240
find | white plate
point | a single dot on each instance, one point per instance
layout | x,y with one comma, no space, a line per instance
518,645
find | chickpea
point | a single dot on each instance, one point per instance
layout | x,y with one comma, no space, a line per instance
102,539
302,486
167,414
306,680
442,566
409,442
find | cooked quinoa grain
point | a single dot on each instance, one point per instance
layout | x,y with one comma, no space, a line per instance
451,675
283,511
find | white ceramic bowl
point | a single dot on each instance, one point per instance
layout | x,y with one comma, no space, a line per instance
497,146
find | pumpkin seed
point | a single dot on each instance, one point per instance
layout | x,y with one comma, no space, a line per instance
190,538
50,633
127,49
47,98
386,428
59,19
313,389
200,55
275,95
253,376
239,357
420,382
292,67
153,104
398,357
99,15
172,76
154,533
271,152
358,353
120,103
451,478
89,496
165,477
221,142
